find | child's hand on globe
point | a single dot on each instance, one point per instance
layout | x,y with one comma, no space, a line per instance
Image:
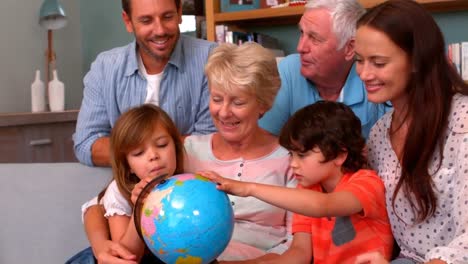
233,187
142,184
138,188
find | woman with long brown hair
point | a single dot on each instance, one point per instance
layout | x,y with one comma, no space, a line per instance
420,149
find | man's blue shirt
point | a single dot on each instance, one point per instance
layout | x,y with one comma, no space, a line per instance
114,84
297,92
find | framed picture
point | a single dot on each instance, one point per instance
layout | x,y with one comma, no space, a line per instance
239,5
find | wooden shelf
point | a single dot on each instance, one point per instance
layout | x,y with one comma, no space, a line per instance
28,118
291,15
259,14
37,137
431,5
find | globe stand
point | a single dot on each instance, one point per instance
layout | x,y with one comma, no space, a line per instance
140,201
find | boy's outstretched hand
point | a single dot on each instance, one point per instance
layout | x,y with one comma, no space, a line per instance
233,187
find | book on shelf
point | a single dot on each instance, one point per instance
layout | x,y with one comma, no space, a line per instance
238,5
220,33
232,34
271,3
457,53
464,60
235,35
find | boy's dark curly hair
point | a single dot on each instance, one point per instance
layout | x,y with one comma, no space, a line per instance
330,126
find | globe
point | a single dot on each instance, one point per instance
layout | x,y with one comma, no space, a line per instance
184,219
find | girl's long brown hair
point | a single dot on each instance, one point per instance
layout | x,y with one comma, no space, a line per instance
131,129
430,89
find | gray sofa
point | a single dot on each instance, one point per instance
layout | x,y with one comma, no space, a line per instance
41,210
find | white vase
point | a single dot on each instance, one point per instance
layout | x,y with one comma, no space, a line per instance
56,94
38,102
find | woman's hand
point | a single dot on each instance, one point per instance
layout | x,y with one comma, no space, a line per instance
371,258
233,187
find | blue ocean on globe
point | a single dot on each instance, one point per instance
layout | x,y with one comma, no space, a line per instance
185,219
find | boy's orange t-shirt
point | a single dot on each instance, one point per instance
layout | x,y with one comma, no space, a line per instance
341,239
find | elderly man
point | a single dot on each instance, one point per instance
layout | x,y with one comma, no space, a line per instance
323,69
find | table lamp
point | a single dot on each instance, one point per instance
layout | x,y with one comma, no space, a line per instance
51,17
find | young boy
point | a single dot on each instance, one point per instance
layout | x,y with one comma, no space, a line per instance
339,207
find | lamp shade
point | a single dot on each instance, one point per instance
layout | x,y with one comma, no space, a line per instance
51,15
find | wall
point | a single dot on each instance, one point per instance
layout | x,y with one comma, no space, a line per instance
453,25
102,28
22,51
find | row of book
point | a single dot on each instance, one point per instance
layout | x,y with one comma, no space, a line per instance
225,34
458,55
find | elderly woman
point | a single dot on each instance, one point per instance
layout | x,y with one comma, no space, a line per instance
243,82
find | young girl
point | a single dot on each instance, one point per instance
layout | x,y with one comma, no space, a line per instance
144,144
339,206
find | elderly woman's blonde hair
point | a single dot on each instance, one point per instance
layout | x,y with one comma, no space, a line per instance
249,68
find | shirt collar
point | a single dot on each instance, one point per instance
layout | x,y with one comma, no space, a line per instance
352,92
177,55
132,59
353,89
